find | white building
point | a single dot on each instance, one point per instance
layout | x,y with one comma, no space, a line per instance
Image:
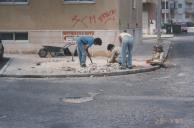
181,11
175,11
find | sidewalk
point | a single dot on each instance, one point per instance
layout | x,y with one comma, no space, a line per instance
31,65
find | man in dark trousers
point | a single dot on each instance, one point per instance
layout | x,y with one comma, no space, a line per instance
83,44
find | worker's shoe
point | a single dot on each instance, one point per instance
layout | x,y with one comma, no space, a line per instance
130,67
122,67
83,65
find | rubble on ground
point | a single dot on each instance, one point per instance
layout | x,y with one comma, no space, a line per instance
67,66
68,69
72,67
94,68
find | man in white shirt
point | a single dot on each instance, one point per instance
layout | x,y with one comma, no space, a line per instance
126,41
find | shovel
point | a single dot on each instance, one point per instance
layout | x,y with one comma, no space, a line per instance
89,56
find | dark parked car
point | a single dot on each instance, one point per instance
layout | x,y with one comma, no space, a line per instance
184,28
183,25
1,50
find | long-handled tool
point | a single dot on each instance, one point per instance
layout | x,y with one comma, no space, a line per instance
89,56
90,59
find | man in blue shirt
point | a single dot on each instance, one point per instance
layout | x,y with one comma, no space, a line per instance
83,44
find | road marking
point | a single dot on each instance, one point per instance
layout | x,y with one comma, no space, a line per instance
3,116
162,121
78,100
181,74
182,82
152,98
159,78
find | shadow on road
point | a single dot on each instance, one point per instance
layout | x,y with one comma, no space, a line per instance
3,62
184,34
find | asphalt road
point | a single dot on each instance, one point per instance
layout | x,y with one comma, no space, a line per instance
159,99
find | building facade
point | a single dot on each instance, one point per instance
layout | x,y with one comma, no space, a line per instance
173,11
183,11
178,11
26,25
149,16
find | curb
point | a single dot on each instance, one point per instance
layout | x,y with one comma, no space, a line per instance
125,72
122,72
168,51
155,37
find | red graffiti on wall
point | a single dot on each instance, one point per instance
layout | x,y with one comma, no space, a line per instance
107,16
76,19
92,19
103,18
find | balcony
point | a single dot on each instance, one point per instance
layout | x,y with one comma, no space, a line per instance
165,10
189,10
189,1
148,1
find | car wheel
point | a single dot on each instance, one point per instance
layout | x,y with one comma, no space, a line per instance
42,52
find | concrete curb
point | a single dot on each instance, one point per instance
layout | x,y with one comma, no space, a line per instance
124,72
155,37
168,51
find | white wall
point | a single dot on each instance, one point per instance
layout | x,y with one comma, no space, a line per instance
56,38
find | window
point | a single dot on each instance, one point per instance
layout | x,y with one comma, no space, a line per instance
21,36
187,15
179,5
172,6
79,1
14,36
164,5
133,4
6,36
14,1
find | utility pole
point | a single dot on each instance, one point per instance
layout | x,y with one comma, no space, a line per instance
165,12
158,21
